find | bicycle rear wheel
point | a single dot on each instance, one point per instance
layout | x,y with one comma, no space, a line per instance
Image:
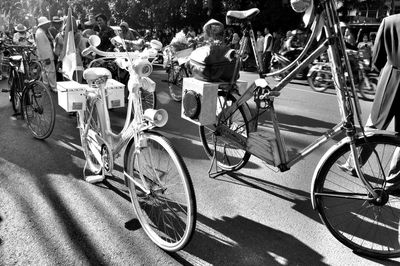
168,213
175,81
365,225
229,157
38,109
90,144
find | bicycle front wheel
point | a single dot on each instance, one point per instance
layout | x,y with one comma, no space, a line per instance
39,110
365,225
228,156
90,144
175,81
16,90
168,212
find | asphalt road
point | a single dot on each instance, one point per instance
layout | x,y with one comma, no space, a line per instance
257,216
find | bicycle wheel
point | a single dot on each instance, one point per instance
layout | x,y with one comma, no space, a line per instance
168,213
368,92
319,82
16,89
38,109
229,157
90,144
175,81
365,225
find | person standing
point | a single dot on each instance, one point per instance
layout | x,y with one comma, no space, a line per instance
105,33
45,53
386,59
260,48
267,50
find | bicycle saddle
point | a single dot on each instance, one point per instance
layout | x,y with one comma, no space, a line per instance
94,73
245,14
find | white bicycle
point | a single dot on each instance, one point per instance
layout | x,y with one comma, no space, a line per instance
159,183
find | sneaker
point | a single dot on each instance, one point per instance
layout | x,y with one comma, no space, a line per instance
347,169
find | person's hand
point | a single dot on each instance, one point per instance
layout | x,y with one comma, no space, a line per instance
47,61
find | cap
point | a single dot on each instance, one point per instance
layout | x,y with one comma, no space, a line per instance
57,19
124,24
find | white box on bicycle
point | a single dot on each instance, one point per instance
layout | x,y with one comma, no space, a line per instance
71,95
115,94
199,101
204,94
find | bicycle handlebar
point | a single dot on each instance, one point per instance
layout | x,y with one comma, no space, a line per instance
129,55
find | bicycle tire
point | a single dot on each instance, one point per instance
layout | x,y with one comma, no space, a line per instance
91,141
175,81
211,140
16,90
38,109
315,85
158,214
368,93
365,226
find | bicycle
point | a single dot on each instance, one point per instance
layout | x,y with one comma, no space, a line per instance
30,97
149,99
159,183
175,65
356,207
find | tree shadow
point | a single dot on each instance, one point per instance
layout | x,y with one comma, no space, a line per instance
240,241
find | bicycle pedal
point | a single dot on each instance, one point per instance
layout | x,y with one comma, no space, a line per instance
94,178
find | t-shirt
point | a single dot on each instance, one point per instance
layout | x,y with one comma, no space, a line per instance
105,35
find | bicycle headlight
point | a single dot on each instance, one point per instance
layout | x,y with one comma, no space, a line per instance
143,67
148,84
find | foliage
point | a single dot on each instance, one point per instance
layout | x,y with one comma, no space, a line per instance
159,14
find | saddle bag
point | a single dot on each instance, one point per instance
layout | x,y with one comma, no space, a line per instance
212,63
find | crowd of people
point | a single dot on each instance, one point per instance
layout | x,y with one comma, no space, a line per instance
49,34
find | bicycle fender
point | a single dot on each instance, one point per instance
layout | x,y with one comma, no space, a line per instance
334,148
131,145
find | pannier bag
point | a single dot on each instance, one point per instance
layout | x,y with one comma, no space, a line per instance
212,63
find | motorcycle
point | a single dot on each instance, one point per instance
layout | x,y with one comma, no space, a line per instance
320,79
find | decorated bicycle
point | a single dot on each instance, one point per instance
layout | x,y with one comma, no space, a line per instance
358,207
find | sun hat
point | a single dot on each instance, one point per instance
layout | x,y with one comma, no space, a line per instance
20,28
42,21
124,24
56,19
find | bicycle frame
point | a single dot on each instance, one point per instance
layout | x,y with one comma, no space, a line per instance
132,129
326,19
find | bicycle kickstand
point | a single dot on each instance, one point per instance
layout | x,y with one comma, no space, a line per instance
93,178
217,172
